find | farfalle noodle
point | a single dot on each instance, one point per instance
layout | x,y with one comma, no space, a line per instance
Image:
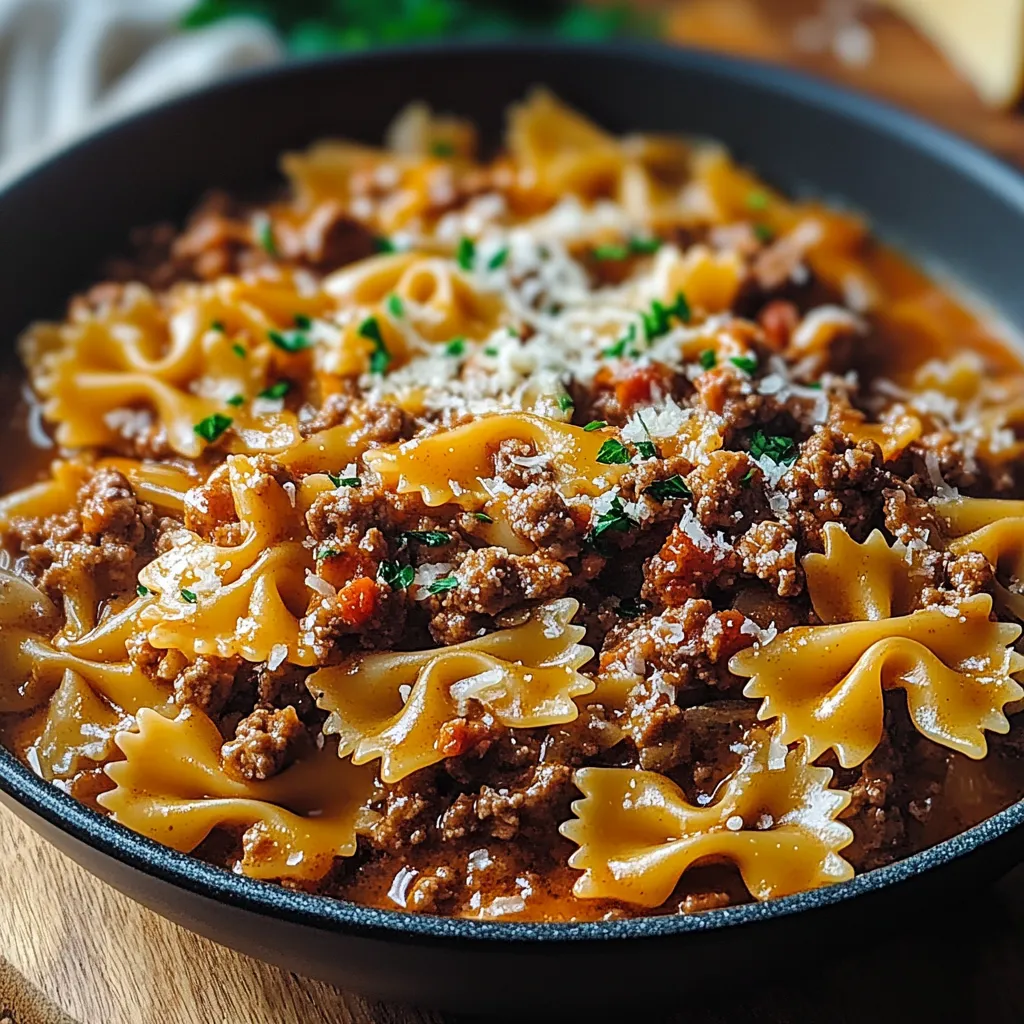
824,684
171,787
243,600
526,676
774,817
452,465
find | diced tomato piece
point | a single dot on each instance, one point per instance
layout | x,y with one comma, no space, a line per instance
357,602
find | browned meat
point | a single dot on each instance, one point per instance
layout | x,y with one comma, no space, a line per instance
265,742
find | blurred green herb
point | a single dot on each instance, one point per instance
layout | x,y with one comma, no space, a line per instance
322,26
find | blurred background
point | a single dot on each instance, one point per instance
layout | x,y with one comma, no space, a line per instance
66,63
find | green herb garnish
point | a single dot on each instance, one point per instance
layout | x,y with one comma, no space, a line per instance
668,489
465,255
380,358
610,252
491,351
565,402
278,390
290,341
613,453
218,326
595,425
213,426
748,364
188,595
644,246
240,350
430,538
708,359
777,448
498,259
658,321
442,148
395,306
326,552
395,575
764,233
236,400
141,590
455,347
757,200
632,607
614,520
265,234
344,481
483,517
618,350
647,449
383,244
303,322
442,585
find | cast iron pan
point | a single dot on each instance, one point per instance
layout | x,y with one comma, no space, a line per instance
941,199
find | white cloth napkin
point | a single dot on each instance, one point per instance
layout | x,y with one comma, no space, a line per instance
65,65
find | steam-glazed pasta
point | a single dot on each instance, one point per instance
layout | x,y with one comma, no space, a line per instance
585,532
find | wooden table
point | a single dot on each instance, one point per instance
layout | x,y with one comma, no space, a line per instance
80,953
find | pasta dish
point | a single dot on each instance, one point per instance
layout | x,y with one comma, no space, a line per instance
584,532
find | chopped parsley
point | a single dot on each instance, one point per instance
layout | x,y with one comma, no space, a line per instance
615,520
610,252
618,350
444,584
668,489
708,359
384,244
498,259
613,453
634,247
513,331
395,575
141,590
326,552
757,200
442,148
344,481
240,350
290,341
455,347
491,351
632,607
236,400
482,517
748,476
395,306
764,233
658,320
465,255
188,595
380,358
303,322
644,246
218,326
278,390
748,364
565,402
265,234
595,425
213,426
430,538
647,449
778,448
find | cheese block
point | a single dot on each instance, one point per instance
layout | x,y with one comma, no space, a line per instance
984,39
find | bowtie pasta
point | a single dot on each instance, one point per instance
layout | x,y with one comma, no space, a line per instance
574,533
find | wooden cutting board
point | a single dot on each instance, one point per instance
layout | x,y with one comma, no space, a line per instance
80,953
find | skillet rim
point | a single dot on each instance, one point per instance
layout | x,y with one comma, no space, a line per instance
133,851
